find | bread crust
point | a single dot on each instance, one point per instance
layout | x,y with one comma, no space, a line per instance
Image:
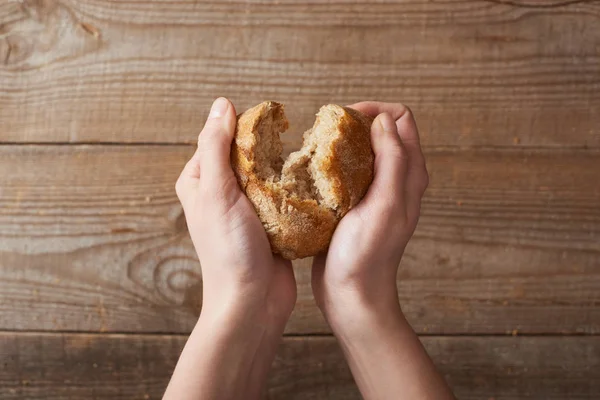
302,227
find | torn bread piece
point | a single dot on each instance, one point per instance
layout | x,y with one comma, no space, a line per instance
301,200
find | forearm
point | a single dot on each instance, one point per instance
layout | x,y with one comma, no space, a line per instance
226,357
387,359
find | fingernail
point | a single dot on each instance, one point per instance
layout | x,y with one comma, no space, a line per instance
387,123
218,108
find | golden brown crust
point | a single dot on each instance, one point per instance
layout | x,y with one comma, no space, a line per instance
299,227
351,161
296,228
243,156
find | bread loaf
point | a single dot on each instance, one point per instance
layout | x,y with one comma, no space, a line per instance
301,200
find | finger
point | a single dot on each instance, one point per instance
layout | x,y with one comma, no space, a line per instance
191,170
374,108
189,177
214,142
417,179
391,164
409,134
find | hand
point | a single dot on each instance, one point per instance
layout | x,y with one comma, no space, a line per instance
248,293
355,283
359,270
238,267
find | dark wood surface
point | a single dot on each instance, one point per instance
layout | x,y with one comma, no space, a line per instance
92,238
476,73
99,283
84,366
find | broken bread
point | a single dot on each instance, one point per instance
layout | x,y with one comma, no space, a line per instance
300,200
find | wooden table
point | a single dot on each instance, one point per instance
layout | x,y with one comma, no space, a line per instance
101,102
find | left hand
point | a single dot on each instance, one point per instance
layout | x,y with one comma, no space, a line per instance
357,276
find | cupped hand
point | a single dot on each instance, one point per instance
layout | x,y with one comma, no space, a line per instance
239,271
359,270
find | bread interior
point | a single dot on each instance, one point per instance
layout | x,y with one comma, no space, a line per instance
303,173
268,148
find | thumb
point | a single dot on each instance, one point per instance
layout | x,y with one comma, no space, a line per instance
391,162
214,142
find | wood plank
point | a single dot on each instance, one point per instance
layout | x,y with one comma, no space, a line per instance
92,238
476,73
83,366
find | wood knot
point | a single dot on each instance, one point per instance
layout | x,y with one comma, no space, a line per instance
42,32
171,272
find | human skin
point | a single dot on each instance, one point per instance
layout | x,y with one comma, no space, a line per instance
249,293
355,282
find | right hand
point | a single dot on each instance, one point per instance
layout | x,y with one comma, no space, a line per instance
248,292
357,276
240,274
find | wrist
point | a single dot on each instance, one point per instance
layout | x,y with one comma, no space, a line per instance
386,356
356,314
241,308
227,356
232,331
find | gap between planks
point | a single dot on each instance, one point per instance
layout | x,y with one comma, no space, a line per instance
285,335
452,149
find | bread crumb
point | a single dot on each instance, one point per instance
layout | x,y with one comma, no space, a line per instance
516,140
514,332
459,203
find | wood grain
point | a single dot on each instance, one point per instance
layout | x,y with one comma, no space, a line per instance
476,73
326,13
83,366
92,238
